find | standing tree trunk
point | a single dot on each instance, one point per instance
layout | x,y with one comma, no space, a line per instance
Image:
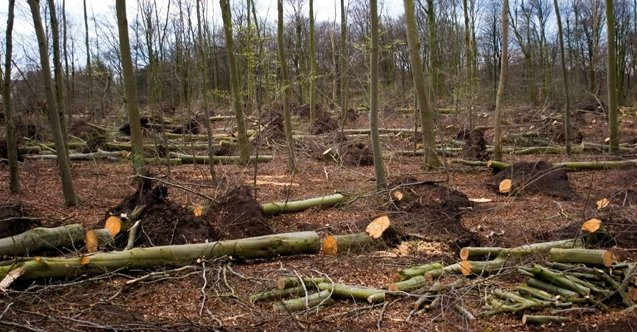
12,146
60,89
379,168
342,61
468,62
504,68
567,103
432,41
285,85
244,148
312,66
612,76
130,89
89,69
64,166
204,90
426,112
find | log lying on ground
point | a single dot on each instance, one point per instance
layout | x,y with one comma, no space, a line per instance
507,256
379,233
42,238
303,303
190,159
418,270
585,256
300,205
278,294
568,165
532,319
82,156
178,255
347,292
286,282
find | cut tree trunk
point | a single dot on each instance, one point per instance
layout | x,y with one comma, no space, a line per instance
585,256
268,246
303,303
190,159
83,156
300,205
42,238
531,319
416,271
347,292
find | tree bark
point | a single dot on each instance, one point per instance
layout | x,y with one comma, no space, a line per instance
585,256
342,62
204,92
303,303
12,145
567,102
60,88
300,205
130,89
611,60
89,69
532,319
379,168
64,166
268,246
313,66
285,86
504,69
431,159
244,148
347,292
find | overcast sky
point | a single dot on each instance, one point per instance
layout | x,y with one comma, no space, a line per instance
104,12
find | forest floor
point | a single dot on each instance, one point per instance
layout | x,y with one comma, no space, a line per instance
213,295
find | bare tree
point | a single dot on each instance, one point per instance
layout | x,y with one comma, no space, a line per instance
60,89
12,146
130,90
64,166
313,66
204,91
244,148
426,111
504,68
567,103
285,86
379,168
611,58
89,69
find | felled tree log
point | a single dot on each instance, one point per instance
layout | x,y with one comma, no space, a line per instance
286,282
585,256
378,233
509,257
559,279
532,319
303,303
42,238
300,205
278,294
250,248
471,253
190,159
82,156
347,292
418,270
569,165
552,289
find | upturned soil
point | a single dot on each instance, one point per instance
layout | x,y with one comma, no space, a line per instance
437,209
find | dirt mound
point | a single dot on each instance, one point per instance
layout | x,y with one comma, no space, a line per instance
554,130
272,127
162,222
94,136
357,154
146,123
238,215
536,178
15,219
475,147
29,129
192,126
432,210
324,123
590,106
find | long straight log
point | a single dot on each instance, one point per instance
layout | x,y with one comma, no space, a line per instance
559,279
348,292
349,244
42,238
278,294
585,256
178,255
416,271
531,319
552,289
303,303
300,205
472,253
190,159
569,165
82,156
286,282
